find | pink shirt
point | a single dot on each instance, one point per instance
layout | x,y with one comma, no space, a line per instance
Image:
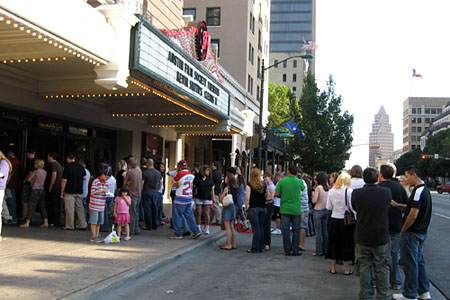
321,196
39,179
122,206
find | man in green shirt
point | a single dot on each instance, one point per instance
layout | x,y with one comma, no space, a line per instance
289,190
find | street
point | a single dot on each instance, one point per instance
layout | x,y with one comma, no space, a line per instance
436,245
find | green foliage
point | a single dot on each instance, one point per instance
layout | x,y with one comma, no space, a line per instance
409,159
438,144
328,132
282,103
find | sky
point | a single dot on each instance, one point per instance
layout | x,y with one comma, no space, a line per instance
370,48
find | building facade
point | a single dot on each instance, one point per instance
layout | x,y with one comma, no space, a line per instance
381,140
440,123
418,115
291,24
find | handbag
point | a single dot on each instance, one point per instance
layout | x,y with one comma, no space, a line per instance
228,199
112,238
349,216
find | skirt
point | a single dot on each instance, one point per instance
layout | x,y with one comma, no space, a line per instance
341,245
123,219
229,213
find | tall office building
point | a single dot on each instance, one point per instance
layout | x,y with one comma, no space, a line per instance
381,140
418,114
239,33
291,24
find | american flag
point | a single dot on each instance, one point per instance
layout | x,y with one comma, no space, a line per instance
414,74
309,45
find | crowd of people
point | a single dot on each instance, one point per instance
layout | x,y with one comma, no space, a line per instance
367,218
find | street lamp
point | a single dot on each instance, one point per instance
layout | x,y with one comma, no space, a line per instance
261,97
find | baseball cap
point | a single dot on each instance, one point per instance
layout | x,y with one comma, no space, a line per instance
105,169
183,164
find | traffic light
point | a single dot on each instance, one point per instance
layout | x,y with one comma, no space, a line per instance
427,156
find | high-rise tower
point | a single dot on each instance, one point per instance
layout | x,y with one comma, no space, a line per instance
381,140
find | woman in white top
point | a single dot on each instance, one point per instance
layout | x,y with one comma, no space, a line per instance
341,245
357,181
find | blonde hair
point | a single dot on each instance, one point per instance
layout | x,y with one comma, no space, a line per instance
39,163
3,157
343,181
255,180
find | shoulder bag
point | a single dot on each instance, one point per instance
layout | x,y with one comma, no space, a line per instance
349,216
228,199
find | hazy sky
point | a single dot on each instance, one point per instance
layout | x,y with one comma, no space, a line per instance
371,47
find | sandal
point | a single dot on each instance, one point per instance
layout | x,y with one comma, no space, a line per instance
251,251
349,273
334,273
267,248
225,248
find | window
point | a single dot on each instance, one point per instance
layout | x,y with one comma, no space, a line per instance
427,111
250,26
258,73
419,120
257,92
248,84
275,62
215,47
419,129
213,16
413,138
433,111
413,129
413,111
294,77
419,111
294,63
253,55
427,120
190,12
284,64
250,52
413,120
253,25
251,85
294,89
284,77
259,41
439,111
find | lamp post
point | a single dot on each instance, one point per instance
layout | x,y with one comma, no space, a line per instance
261,97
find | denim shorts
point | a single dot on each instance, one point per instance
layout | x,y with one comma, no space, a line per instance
96,217
229,213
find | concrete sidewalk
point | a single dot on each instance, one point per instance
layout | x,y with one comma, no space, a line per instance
38,263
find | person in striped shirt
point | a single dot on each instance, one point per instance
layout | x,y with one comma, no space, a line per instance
99,190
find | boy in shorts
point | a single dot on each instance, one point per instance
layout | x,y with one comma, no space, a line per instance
99,190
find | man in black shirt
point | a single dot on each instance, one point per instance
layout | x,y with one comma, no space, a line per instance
413,236
395,221
72,192
152,179
371,204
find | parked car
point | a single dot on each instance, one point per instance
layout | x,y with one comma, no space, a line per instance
443,188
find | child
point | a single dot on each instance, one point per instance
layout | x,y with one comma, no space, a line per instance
97,201
122,211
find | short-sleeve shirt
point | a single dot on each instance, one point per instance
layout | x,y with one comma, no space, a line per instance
97,201
122,206
398,195
184,181
56,167
134,176
74,173
39,179
204,187
290,189
420,198
152,178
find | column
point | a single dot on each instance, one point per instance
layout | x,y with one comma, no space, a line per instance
179,149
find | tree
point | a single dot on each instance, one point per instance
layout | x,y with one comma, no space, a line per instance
327,131
410,158
281,100
438,144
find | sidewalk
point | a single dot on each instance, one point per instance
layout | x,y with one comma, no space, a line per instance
38,263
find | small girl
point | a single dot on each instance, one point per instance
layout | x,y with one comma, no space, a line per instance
122,211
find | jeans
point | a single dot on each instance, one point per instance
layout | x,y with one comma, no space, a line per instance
379,257
85,205
11,202
134,215
150,203
267,224
105,225
320,223
180,211
256,216
160,208
310,230
396,278
411,251
290,246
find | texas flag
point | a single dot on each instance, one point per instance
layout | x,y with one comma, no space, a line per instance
414,74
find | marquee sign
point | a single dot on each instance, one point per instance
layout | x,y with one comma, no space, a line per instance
162,59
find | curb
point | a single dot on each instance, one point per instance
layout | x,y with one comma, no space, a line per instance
96,290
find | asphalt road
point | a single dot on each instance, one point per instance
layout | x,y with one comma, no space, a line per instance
438,243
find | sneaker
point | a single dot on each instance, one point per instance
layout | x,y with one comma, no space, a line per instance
93,239
99,239
187,233
196,235
425,296
401,297
176,237
127,238
276,231
206,231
